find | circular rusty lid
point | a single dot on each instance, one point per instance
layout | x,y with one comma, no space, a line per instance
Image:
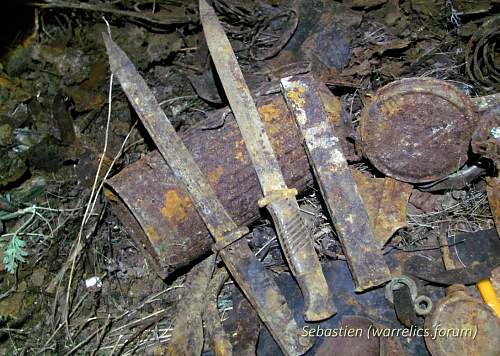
417,130
462,325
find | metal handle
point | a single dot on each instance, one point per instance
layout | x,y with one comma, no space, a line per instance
302,259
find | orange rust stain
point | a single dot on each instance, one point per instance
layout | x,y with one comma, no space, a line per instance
269,114
239,151
214,176
176,206
152,235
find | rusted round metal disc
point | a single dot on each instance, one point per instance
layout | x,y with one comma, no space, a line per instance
417,130
462,325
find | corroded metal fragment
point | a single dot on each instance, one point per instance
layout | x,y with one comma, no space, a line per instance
417,130
337,185
493,191
481,55
385,200
216,334
294,236
257,284
486,137
187,337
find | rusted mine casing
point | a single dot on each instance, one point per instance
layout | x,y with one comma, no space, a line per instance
162,207
418,130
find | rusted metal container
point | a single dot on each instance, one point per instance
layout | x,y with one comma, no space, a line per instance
418,130
148,194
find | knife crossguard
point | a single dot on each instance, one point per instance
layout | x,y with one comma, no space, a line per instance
276,195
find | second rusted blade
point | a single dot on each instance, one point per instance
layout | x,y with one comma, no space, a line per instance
337,185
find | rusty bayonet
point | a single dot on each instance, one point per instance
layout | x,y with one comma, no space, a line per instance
257,284
336,183
278,198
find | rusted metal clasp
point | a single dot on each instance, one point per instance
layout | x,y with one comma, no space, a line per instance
226,239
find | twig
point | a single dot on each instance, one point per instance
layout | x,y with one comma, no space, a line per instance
156,20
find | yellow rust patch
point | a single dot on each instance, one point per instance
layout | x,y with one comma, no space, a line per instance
175,206
214,176
393,106
269,112
296,95
153,236
240,146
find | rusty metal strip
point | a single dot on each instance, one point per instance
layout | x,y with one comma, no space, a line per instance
216,334
257,284
187,337
278,198
493,191
337,185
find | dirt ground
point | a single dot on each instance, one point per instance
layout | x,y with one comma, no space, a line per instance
72,278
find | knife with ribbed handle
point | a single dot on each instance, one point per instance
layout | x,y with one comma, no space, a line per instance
279,200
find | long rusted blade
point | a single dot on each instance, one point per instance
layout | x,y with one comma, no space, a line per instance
259,287
337,185
280,201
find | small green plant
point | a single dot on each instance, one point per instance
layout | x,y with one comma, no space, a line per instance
14,246
14,253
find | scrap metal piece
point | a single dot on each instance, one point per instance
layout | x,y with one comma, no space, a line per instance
385,201
493,191
481,55
462,325
417,130
215,331
455,181
278,198
402,292
336,183
257,284
474,248
187,337
486,137
466,276
391,214
243,325
403,306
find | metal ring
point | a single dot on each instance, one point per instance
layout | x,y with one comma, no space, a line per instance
422,300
